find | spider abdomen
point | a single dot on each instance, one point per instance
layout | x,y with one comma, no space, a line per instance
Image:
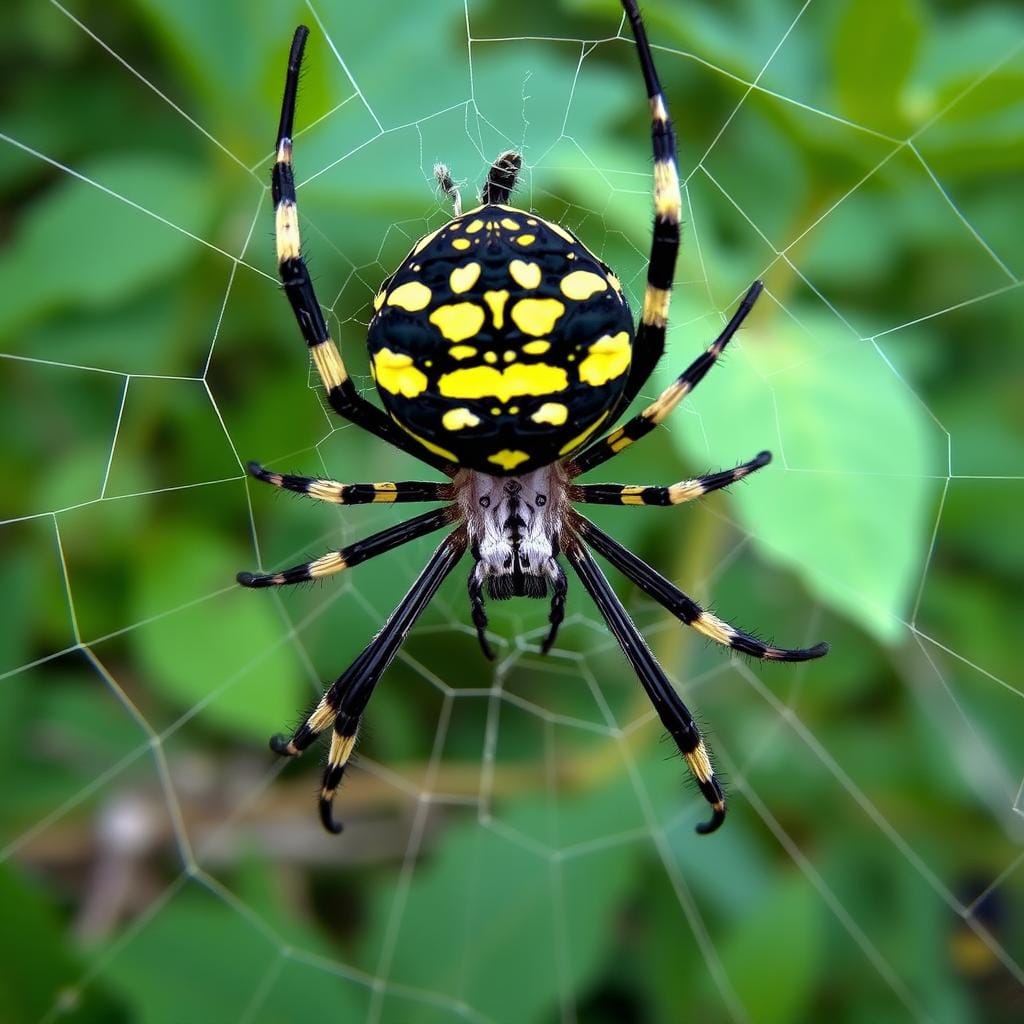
501,343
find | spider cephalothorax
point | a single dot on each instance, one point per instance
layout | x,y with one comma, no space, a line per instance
501,348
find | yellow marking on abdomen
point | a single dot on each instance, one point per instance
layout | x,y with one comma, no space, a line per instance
395,372
526,275
385,494
560,231
427,239
606,359
630,494
378,301
526,239
457,419
551,412
460,243
458,321
510,224
511,382
411,296
581,437
461,351
508,459
536,348
429,445
474,226
537,316
581,284
496,304
463,278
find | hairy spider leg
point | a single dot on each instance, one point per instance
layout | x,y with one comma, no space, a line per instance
682,607
674,714
661,264
674,494
644,422
363,550
353,494
342,395
341,707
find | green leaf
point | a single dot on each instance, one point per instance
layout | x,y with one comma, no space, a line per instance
495,915
98,249
227,656
772,956
846,503
874,50
232,967
37,967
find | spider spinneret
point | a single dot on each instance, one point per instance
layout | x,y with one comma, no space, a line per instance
500,348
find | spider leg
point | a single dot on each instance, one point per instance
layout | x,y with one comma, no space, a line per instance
661,266
342,706
674,714
476,604
675,494
682,607
448,187
353,494
344,399
560,587
501,178
353,554
643,423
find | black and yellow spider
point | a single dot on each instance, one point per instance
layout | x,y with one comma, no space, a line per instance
500,348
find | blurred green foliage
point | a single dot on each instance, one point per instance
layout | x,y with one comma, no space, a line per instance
520,845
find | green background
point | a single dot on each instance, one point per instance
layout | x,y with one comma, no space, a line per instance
520,840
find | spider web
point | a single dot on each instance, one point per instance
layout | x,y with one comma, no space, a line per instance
545,773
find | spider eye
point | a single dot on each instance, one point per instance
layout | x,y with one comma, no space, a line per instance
541,500
485,502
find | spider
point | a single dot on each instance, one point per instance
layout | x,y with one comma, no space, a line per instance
501,348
